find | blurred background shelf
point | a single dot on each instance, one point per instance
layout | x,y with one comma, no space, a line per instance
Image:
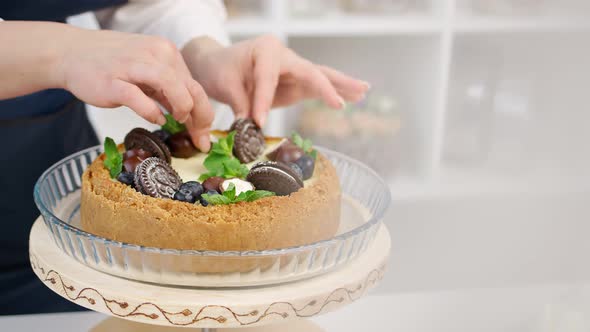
461,184
467,96
249,26
356,25
341,25
482,24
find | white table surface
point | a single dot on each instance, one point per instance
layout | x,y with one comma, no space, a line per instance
542,307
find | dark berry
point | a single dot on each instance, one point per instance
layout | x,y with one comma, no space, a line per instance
307,164
213,183
181,146
288,153
297,169
131,163
162,134
126,178
184,195
194,187
133,157
141,153
272,155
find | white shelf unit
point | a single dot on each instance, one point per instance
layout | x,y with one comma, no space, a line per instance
412,54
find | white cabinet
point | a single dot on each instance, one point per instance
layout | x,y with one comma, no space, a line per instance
489,93
484,96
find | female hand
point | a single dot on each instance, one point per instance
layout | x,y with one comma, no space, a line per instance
254,75
110,69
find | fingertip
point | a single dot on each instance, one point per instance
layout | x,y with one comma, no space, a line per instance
184,119
260,120
341,102
204,143
335,102
161,119
366,85
239,114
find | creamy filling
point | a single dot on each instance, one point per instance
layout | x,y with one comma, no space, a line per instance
190,169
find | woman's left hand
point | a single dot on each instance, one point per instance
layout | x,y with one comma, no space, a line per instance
254,75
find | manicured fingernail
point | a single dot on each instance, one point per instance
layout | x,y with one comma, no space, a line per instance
204,143
161,120
366,85
261,121
341,102
185,119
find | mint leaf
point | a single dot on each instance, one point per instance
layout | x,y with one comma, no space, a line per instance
229,196
305,144
243,196
172,126
227,144
214,161
216,149
230,192
221,161
216,199
257,194
113,158
297,139
232,168
314,154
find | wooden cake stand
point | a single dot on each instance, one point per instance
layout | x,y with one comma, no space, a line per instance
172,306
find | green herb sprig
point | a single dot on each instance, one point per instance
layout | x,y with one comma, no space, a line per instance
172,126
114,159
229,196
305,144
221,162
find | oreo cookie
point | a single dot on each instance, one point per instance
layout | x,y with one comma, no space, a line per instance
140,138
156,178
249,142
277,177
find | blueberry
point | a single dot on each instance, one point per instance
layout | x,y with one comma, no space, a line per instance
297,169
194,187
209,192
307,164
184,195
162,134
126,178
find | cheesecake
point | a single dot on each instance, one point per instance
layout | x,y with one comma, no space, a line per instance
159,191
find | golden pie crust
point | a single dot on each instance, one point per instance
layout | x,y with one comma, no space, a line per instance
115,211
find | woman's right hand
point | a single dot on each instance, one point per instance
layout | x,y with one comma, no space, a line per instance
110,69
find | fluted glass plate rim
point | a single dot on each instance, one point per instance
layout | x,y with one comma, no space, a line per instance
374,219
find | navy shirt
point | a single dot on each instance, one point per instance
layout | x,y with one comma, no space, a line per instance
47,101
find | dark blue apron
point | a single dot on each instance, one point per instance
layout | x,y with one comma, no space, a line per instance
36,131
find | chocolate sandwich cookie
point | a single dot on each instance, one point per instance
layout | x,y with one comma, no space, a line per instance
140,138
249,142
277,177
156,178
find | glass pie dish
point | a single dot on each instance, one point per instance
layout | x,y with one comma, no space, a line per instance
365,198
